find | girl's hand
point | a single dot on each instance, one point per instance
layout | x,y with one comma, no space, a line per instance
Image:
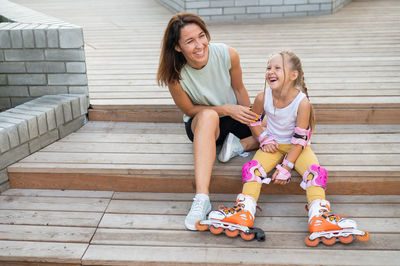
279,182
241,113
270,147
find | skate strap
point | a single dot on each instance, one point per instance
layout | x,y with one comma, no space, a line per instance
283,174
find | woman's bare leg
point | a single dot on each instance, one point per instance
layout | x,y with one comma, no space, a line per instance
205,127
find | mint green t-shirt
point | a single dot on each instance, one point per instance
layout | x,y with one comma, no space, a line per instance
210,85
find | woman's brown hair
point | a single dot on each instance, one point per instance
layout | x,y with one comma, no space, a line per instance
172,61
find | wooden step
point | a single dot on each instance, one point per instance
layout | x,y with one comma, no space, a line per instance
151,157
64,227
351,113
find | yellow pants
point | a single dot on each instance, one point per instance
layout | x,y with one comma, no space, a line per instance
270,160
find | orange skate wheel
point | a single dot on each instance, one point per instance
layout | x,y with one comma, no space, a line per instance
346,239
363,238
216,230
311,243
329,241
233,233
247,237
201,227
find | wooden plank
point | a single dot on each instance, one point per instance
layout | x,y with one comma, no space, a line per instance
268,209
120,255
26,251
58,193
56,204
46,233
289,240
263,198
50,218
268,224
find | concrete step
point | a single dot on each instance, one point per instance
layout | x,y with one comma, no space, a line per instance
157,157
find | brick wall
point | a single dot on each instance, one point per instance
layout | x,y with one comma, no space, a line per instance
39,55
241,10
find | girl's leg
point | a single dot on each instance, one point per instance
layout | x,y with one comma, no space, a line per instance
205,127
303,162
268,161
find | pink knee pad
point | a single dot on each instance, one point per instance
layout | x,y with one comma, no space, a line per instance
248,173
320,177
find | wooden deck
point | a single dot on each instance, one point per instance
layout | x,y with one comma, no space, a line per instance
351,58
123,156
111,228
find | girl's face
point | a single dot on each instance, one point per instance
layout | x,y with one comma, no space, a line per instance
276,76
193,44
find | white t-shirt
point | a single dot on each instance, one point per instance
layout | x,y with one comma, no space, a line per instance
281,121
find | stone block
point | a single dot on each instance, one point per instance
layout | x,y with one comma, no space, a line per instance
271,2
258,9
36,91
22,127
40,38
302,8
5,103
67,79
30,120
27,79
78,90
4,141
5,40
44,140
65,55
40,117
66,104
14,91
198,4
5,186
246,2
71,38
45,67
12,132
295,2
283,9
3,79
222,3
1,56
80,103
58,108
3,176
76,67
74,125
234,10
52,38
14,155
28,39
24,55
12,67
210,11
16,39
15,101
48,111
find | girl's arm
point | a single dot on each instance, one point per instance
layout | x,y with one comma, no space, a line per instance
303,117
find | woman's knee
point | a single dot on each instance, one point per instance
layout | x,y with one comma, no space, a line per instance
206,119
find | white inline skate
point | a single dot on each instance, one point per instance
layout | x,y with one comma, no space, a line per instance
330,228
234,221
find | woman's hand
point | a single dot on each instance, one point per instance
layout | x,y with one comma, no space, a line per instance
241,113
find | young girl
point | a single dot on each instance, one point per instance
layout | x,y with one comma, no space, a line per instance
284,145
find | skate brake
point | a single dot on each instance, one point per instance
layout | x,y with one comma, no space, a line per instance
260,235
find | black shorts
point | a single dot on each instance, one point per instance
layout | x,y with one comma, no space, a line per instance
226,125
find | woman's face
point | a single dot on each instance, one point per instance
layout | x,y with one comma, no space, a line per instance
193,44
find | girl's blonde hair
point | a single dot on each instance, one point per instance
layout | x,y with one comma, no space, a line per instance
295,64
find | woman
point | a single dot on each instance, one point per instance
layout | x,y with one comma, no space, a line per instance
205,81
